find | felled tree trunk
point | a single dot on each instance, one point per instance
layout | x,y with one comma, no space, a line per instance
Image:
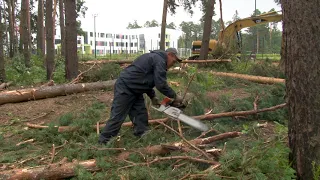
52,171
130,61
51,91
259,79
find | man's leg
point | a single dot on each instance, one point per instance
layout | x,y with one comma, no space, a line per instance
139,116
121,105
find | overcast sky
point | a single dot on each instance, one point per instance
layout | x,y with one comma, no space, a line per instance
116,14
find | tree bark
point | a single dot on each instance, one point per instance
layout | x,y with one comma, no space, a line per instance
207,30
302,65
2,62
52,171
71,40
163,25
62,27
25,31
222,23
49,39
258,79
28,24
40,29
11,29
51,91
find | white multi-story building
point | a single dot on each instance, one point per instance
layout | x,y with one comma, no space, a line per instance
127,41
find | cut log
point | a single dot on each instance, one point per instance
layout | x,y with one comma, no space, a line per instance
52,171
156,121
130,61
258,79
51,91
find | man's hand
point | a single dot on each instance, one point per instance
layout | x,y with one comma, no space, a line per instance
177,102
155,101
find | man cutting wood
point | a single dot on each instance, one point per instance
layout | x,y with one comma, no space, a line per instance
146,72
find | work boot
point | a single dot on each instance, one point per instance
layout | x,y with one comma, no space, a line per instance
141,135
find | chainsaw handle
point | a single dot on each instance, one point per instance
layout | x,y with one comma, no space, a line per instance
166,101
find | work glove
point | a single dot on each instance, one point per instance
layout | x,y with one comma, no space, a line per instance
178,102
155,101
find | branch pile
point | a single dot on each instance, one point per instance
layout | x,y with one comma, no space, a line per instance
62,170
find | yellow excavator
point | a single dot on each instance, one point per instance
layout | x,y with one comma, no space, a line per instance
226,37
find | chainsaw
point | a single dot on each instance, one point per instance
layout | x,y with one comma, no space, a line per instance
177,114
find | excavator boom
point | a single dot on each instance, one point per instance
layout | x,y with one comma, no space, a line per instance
225,36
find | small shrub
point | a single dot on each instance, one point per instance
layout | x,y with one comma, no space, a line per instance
108,71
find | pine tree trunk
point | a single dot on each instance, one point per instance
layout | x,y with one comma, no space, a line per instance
302,65
25,31
71,40
2,63
163,25
40,29
15,37
62,28
49,39
207,30
11,29
28,24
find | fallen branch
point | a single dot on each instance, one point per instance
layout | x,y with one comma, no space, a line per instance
165,149
172,158
186,141
24,142
52,171
51,91
78,78
157,121
258,79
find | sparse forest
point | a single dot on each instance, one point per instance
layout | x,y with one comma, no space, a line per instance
262,109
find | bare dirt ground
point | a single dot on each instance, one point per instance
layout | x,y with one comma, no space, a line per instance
48,110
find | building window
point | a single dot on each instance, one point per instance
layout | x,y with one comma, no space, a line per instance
132,36
166,36
117,36
79,42
117,44
91,34
167,43
131,44
135,44
108,35
159,35
102,35
122,44
91,43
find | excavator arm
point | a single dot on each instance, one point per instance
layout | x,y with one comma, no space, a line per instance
232,29
227,35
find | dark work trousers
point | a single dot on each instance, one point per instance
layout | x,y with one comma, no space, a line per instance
125,102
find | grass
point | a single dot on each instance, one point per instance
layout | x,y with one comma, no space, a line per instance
261,153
